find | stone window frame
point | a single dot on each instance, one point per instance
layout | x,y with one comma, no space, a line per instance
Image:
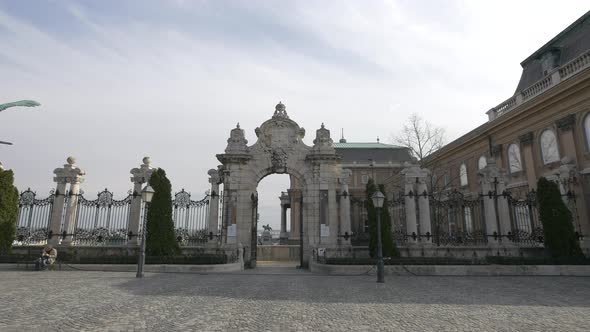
539,140
508,159
485,159
463,172
586,131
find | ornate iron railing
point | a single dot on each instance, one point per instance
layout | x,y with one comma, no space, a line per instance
191,219
526,227
457,220
34,216
103,221
397,213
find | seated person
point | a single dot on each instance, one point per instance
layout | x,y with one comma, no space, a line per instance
47,258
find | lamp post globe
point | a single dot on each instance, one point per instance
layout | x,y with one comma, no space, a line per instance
378,200
146,195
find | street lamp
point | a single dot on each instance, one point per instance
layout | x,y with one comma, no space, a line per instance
378,200
146,195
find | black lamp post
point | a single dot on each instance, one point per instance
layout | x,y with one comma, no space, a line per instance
146,195
378,200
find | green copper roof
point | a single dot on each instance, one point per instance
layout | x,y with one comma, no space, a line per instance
353,145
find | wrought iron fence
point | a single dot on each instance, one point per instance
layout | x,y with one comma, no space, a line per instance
34,216
359,220
103,221
457,220
397,213
526,227
191,219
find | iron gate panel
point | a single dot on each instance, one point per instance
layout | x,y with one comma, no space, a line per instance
526,227
103,221
397,213
34,216
191,219
457,221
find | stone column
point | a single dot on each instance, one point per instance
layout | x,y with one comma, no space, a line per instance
214,179
489,178
74,176
57,210
526,144
424,206
285,202
295,195
345,226
140,176
410,175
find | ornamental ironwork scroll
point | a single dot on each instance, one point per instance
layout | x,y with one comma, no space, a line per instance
191,219
457,220
103,221
34,216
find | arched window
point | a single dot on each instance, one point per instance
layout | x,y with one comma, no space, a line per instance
549,150
587,131
514,161
482,162
463,175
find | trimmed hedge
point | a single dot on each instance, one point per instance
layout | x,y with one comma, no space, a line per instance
558,228
188,260
501,260
404,261
161,240
538,260
8,211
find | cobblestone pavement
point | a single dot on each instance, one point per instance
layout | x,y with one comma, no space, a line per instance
284,299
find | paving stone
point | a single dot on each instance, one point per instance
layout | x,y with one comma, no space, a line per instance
275,299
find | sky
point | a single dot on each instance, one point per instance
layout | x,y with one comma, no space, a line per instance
119,80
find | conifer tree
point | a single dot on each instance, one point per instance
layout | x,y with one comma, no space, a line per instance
558,228
8,210
161,240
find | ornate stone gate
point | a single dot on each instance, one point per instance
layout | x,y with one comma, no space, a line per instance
316,174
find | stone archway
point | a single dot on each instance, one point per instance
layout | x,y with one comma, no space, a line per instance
280,149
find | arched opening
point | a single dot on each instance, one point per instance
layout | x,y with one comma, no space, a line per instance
275,238
271,206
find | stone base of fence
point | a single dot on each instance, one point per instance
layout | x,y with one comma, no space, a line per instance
429,250
455,270
156,268
74,252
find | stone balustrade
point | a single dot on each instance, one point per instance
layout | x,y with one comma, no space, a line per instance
553,78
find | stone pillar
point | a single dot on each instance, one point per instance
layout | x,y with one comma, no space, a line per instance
572,195
296,212
74,176
345,225
424,207
526,144
490,179
139,176
414,188
57,210
410,202
285,202
214,179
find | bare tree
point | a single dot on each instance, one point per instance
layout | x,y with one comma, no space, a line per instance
420,136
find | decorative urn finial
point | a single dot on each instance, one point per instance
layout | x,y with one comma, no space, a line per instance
280,111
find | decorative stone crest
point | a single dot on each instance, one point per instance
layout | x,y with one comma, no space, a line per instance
280,111
237,143
278,159
214,177
70,173
143,173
